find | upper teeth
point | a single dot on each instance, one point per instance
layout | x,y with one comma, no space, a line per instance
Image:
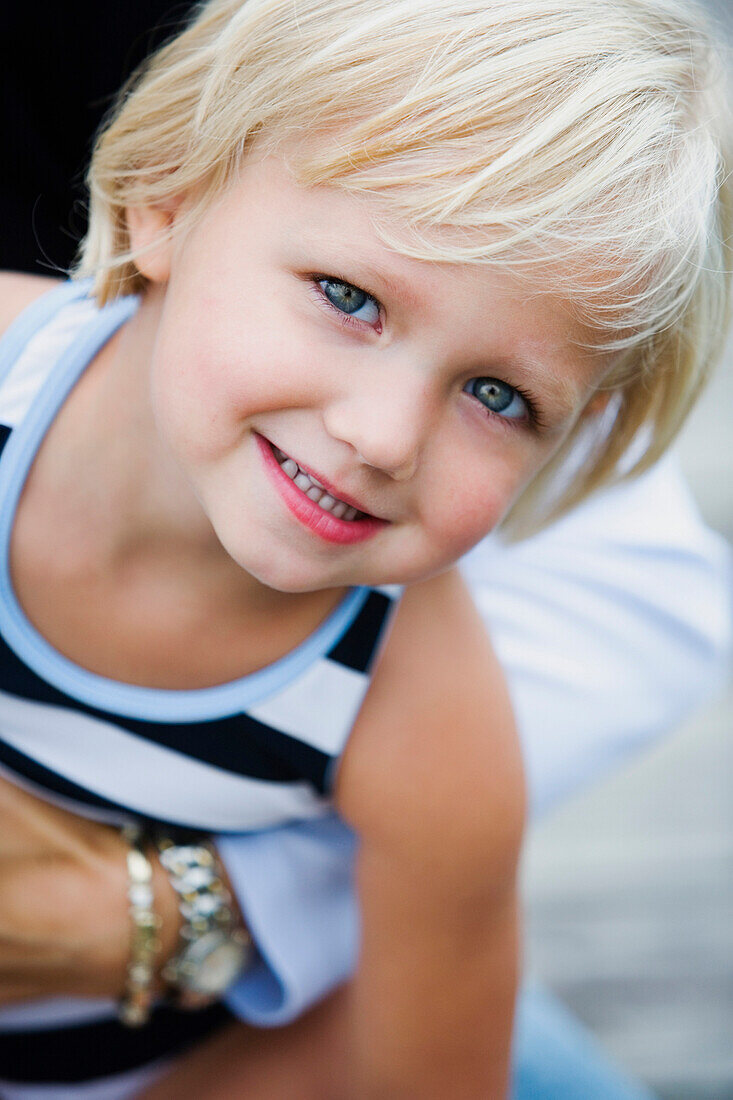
313,489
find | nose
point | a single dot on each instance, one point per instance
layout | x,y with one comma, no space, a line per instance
385,424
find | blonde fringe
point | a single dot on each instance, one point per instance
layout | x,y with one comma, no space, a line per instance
584,142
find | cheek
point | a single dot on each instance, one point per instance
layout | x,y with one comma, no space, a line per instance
472,484
188,399
207,387
470,518
467,509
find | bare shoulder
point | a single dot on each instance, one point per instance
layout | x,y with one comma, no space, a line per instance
17,291
433,762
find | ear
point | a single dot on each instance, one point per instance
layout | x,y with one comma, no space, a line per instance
148,229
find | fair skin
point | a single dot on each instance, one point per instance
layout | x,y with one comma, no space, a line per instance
178,544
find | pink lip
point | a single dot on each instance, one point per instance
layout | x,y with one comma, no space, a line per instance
316,519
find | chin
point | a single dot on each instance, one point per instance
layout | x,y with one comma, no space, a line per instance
285,576
290,584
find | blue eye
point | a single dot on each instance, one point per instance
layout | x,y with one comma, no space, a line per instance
498,397
350,300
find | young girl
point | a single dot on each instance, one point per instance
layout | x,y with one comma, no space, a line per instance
389,263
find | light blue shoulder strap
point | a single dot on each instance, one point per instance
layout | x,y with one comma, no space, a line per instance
35,316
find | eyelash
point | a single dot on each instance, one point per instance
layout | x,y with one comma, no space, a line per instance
345,319
535,418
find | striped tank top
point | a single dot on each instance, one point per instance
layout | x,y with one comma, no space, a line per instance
246,755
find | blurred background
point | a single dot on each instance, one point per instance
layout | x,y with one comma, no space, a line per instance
629,888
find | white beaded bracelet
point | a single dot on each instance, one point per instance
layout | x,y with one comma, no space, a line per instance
214,946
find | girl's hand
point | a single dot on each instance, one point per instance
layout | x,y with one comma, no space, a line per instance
64,926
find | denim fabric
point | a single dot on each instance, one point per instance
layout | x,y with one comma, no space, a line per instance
556,1058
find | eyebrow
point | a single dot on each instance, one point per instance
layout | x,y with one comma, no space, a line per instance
561,393
376,281
372,277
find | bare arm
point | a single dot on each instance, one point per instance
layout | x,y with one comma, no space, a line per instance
432,782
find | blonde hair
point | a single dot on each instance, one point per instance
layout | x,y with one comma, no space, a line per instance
582,141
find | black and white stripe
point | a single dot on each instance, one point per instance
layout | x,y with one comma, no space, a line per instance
235,773
96,1048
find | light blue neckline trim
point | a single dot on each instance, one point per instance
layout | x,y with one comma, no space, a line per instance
34,316
134,701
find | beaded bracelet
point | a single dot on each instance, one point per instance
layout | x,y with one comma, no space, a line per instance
214,947
135,1005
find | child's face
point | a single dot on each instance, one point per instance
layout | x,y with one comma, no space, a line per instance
425,395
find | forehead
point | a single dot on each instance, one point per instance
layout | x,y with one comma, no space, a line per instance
491,318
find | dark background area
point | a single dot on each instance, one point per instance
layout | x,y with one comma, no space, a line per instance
62,66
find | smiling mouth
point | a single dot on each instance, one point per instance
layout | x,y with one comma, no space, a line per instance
316,492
